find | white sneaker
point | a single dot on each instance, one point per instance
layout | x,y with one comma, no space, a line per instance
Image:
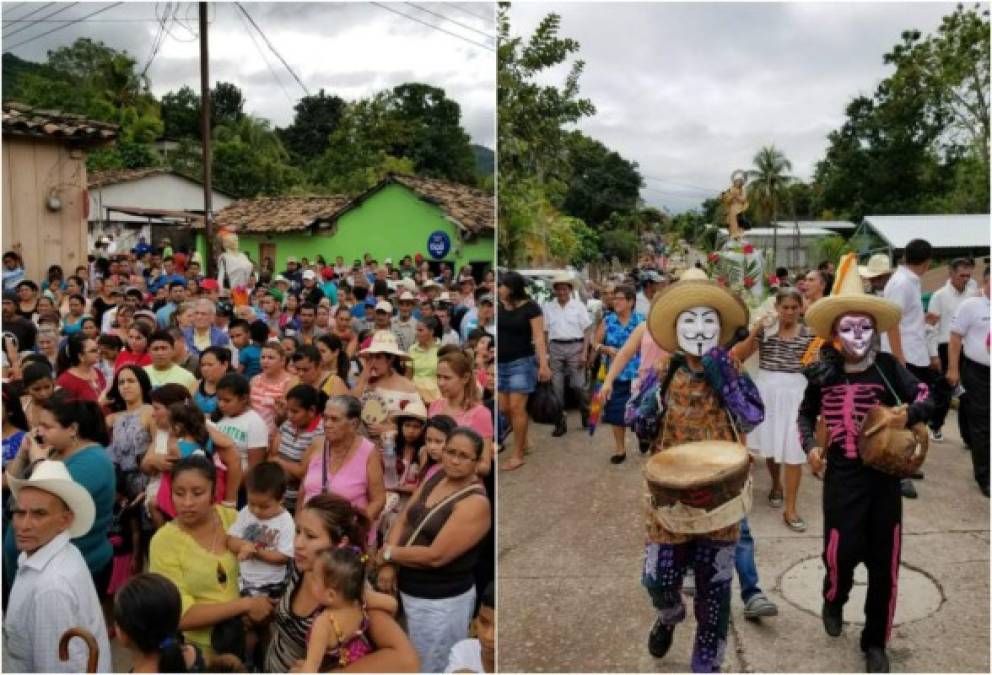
936,436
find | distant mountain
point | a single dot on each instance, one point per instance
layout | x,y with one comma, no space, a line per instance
485,160
14,67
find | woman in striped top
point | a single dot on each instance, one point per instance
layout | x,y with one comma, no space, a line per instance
329,521
781,384
272,384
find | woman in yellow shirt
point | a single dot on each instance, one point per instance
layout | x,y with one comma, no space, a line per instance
423,358
191,551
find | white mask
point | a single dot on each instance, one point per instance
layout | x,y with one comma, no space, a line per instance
856,333
698,330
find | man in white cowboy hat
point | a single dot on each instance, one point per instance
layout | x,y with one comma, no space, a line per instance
568,328
651,283
877,272
404,326
862,507
53,590
693,319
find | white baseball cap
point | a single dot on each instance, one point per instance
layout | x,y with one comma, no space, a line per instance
383,306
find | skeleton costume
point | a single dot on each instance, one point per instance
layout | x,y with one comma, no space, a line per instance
693,316
862,506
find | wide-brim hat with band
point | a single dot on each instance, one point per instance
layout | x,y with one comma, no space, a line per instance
878,265
52,477
848,297
384,342
694,291
563,278
414,409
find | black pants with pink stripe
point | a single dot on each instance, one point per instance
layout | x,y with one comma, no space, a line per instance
862,514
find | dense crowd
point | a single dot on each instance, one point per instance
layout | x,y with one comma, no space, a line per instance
290,474
661,353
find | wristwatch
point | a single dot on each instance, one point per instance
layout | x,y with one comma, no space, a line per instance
387,553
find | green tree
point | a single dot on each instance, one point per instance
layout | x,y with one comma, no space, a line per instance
531,117
768,189
227,105
600,181
315,119
249,159
181,114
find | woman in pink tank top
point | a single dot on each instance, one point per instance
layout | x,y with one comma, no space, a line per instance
347,464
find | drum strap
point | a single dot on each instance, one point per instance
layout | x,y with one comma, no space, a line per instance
662,393
886,381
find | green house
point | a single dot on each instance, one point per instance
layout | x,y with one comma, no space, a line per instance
401,215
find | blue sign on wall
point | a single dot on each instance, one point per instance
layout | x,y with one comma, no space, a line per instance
438,244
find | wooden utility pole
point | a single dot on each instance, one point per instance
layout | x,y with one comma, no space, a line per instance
208,218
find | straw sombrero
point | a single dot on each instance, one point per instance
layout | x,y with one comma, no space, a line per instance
384,342
848,297
694,290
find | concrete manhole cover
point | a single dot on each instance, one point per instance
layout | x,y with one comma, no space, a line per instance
919,596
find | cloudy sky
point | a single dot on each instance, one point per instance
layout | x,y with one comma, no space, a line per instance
691,91
351,50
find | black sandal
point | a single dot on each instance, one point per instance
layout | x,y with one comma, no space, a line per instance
618,459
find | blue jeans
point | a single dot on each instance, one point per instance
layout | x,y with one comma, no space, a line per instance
747,570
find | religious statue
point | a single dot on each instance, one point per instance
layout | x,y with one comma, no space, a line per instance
234,267
734,204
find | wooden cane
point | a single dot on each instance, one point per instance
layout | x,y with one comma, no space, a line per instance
91,646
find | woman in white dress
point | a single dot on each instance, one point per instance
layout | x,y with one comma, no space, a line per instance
781,341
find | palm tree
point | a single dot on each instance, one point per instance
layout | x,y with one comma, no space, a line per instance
767,189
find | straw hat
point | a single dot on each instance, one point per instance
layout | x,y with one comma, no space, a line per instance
384,342
693,290
563,278
848,297
52,477
414,409
877,265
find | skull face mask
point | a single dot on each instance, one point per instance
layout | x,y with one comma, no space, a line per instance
856,333
698,330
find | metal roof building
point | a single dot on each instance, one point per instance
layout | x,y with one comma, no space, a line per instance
947,233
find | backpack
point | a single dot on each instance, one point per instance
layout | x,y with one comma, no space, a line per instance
646,410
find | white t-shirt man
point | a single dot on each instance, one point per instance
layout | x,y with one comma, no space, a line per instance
904,290
945,303
247,430
972,323
275,534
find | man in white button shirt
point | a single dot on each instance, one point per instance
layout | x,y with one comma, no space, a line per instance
567,324
943,305
908,342
970,334
53,590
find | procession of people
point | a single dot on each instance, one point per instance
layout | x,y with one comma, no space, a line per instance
852,378
259,471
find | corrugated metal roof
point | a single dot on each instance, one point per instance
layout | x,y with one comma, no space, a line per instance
821,224
783,232
942,230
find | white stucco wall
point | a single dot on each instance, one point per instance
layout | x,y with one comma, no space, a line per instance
164,191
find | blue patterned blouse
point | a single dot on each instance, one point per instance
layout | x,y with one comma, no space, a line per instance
616,335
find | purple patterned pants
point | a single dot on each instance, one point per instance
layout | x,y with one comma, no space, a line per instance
713,564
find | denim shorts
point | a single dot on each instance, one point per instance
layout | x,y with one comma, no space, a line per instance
517,377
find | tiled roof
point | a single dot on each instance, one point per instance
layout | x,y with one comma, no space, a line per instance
22,120
471,208
278,214
98,179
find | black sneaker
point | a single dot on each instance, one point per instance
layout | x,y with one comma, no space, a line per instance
833,619
660,639
643,444
560,428
908,489
876,661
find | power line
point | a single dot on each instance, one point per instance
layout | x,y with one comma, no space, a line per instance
430,25
15,7
35,11
147,20
158,41
57,11
457,23
261,53
477,16
675,182
58,28
272,48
